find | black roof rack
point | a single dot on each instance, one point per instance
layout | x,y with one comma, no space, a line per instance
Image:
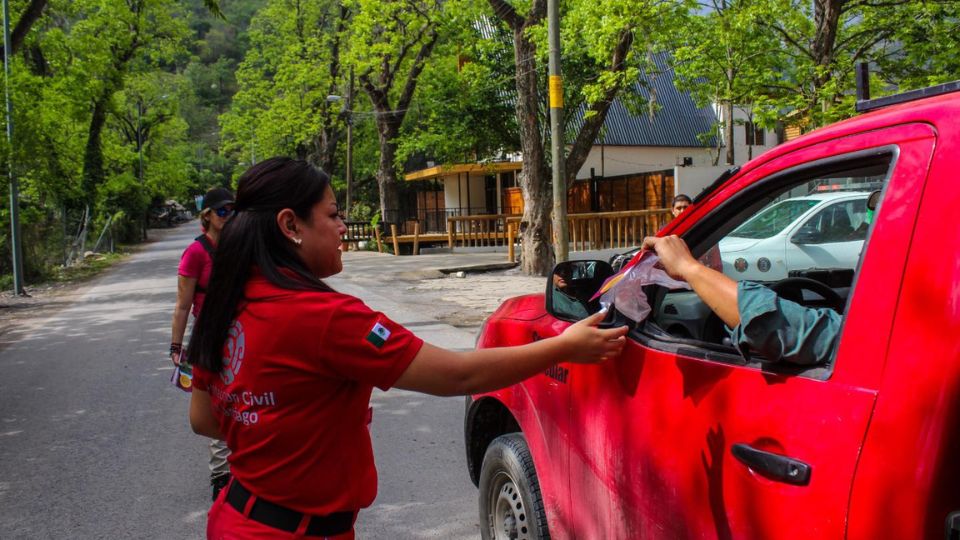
864,103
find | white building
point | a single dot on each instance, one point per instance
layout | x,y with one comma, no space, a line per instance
639,161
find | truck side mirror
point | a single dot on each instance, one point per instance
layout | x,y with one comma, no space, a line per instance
571,286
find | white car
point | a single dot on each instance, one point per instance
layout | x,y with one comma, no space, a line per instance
822,231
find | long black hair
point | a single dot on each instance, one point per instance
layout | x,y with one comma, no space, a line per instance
252,238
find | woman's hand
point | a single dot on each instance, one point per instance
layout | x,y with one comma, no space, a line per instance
176,350
589,344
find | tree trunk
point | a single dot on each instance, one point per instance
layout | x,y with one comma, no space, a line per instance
31,14
827,20
390,119
537,247
387,130
591,127
323,149
93,174
728,131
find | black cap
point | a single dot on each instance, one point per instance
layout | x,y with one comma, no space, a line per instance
217,198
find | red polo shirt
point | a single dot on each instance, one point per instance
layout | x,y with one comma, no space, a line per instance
293,397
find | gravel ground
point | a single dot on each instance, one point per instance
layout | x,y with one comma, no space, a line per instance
462,300
466,301
20,314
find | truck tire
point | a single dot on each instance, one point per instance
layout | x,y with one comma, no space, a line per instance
511,506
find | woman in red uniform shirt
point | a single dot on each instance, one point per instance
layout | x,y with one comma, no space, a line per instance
285,365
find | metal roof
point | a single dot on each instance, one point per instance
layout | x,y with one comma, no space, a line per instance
676,120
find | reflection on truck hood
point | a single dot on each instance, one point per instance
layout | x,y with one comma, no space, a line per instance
522,308
732,244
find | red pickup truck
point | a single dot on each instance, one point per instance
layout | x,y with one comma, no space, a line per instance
685,437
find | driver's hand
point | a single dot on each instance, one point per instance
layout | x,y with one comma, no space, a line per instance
674,255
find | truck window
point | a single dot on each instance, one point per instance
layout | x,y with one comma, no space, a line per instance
812,226
773,219
839,222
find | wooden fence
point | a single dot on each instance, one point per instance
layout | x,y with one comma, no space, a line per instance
587,231
479,230
602,230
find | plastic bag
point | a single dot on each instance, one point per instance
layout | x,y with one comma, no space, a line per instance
624,290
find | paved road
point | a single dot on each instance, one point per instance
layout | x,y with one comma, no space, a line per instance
94,441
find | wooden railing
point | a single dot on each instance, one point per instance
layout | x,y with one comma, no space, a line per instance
480,230
362,231
603,230
588,231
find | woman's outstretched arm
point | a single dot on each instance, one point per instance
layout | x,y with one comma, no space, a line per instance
448,373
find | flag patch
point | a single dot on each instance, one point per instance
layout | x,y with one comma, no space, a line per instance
378,335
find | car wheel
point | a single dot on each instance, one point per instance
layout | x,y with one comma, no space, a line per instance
511,507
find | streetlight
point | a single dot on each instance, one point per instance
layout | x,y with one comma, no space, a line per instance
14,183
348,108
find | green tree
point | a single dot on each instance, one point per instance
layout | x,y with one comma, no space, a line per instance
218,45
117,38
605,45
724,57
112,69
390,44
822,41
292,66
460,113
924,48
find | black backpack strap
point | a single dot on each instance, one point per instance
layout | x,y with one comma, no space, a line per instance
208,247
205,242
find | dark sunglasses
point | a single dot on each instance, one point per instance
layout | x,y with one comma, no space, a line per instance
224,211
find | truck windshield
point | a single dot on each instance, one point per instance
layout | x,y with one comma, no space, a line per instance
774,219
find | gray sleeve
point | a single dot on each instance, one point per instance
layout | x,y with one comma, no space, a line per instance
782,330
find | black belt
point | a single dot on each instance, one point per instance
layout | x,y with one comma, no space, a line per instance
285,519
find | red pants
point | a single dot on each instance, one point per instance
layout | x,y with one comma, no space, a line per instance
224,522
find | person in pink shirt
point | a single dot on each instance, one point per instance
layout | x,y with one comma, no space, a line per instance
192,281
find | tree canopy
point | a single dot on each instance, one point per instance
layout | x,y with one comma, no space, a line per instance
120,105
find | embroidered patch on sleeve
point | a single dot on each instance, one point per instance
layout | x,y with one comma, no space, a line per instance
378,335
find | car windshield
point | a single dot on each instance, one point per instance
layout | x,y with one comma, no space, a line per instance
774,219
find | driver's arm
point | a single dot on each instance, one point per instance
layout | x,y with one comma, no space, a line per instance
761,321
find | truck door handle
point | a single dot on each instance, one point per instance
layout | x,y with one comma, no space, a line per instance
773,466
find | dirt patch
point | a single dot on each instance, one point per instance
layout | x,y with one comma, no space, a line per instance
466,301
18,314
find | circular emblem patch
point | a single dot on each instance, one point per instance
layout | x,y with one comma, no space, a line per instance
233,351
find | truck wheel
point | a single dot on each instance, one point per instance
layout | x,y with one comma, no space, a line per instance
511,507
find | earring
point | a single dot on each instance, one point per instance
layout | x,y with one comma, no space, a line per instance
297,241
